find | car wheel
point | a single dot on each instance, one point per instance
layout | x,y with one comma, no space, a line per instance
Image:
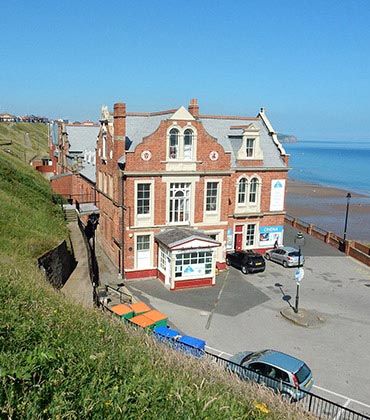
285,264
267,256
227,261
244,269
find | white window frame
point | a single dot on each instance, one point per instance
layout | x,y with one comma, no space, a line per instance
247,235
248,205
217,197
173,202
144,219
104,147
184,152
196,257
250,146
174,149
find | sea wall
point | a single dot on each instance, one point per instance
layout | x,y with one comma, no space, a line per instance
354,249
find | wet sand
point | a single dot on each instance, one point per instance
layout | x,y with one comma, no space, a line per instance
326,208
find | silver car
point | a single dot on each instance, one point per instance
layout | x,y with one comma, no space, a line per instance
286,255
287,375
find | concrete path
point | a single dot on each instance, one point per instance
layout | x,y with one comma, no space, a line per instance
78,287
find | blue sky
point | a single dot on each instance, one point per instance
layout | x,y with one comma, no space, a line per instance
306,62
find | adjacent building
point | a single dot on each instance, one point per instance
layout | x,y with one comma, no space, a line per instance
177,190
72,150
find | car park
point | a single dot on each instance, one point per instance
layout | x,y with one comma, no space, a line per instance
286,255
287,375
246,261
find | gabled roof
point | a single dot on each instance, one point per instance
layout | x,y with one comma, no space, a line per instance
184,238
227,130
182,114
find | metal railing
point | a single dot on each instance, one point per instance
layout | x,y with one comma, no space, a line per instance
319,407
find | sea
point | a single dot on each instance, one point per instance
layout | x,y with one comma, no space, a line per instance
338,164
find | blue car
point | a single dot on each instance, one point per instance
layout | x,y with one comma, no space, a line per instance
285,374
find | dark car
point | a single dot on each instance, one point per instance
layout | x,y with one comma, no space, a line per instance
289,376
247,261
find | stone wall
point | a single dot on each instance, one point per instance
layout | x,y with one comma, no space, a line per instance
58,264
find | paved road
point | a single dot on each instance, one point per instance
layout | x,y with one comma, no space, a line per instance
243,312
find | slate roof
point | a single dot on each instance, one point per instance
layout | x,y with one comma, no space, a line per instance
89,171
174,237
138,127
82,138
231,142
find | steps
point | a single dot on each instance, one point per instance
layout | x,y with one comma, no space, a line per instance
70,212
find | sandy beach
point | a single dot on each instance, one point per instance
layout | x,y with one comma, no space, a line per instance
326,208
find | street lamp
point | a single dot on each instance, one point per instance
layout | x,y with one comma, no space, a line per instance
299,241
346,220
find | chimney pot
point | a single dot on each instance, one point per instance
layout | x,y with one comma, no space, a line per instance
194,107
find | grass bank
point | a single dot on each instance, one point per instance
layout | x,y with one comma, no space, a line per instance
61,361
24,140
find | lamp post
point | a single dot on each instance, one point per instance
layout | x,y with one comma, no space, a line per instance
299,241
346,220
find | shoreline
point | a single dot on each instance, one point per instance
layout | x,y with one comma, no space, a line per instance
325,207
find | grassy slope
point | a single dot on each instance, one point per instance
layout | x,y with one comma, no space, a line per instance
60,361
28,140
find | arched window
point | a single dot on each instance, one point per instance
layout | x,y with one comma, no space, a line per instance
253,189
188,144
242,189
174,144
179,202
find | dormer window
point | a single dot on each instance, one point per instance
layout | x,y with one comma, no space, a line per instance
181,144
249,150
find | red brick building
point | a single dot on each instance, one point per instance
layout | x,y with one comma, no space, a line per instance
72,152
177,189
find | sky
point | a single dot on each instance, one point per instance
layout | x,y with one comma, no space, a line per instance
307,62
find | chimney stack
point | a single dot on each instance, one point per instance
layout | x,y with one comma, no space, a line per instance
194,108
119,121
119,125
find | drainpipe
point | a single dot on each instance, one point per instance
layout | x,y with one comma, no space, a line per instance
122,227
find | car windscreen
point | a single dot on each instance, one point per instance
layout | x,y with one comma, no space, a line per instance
303,373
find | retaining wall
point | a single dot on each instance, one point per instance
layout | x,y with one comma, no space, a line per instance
357,250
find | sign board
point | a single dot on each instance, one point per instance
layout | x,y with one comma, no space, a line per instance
277,196
269,235
299,274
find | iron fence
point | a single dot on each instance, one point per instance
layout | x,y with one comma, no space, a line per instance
319,407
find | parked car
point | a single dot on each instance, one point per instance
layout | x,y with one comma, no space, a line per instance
247,261
285,374
286,255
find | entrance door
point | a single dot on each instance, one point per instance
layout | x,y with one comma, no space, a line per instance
238,238
238,241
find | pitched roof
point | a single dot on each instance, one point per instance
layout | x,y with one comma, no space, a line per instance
175,237
226,129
